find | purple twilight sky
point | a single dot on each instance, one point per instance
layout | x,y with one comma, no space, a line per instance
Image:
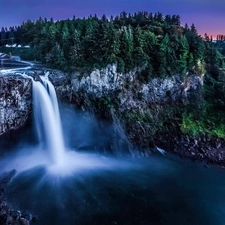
207,15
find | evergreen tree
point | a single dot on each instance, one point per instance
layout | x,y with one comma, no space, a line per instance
127,46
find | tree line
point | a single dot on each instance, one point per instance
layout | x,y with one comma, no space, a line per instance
155,42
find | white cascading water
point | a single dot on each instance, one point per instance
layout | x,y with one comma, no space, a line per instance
53,97
47,119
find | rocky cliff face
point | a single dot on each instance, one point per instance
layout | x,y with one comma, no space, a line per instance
62,84
144,109
129,90
15,102
150,111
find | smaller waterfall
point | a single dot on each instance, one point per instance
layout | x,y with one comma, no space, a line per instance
47,119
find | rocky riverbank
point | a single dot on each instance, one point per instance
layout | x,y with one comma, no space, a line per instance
209,150
9,216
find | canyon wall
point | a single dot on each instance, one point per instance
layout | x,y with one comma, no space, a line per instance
15,102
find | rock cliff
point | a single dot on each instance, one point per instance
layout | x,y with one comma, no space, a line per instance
130,90
145,109
15,102
150,111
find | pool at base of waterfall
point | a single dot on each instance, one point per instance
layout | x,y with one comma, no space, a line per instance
156,190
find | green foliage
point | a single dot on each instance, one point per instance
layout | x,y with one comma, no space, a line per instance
192,126
120,65
204,115
141,39
219,131
203,126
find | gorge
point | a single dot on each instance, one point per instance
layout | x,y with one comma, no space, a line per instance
99,177
123,99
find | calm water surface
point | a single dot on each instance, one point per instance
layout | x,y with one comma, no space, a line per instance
155,190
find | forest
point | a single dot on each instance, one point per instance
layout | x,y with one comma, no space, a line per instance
157,44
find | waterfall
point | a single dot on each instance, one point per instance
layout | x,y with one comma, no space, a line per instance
51,91
47,119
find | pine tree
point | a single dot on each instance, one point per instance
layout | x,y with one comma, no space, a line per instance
127,46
